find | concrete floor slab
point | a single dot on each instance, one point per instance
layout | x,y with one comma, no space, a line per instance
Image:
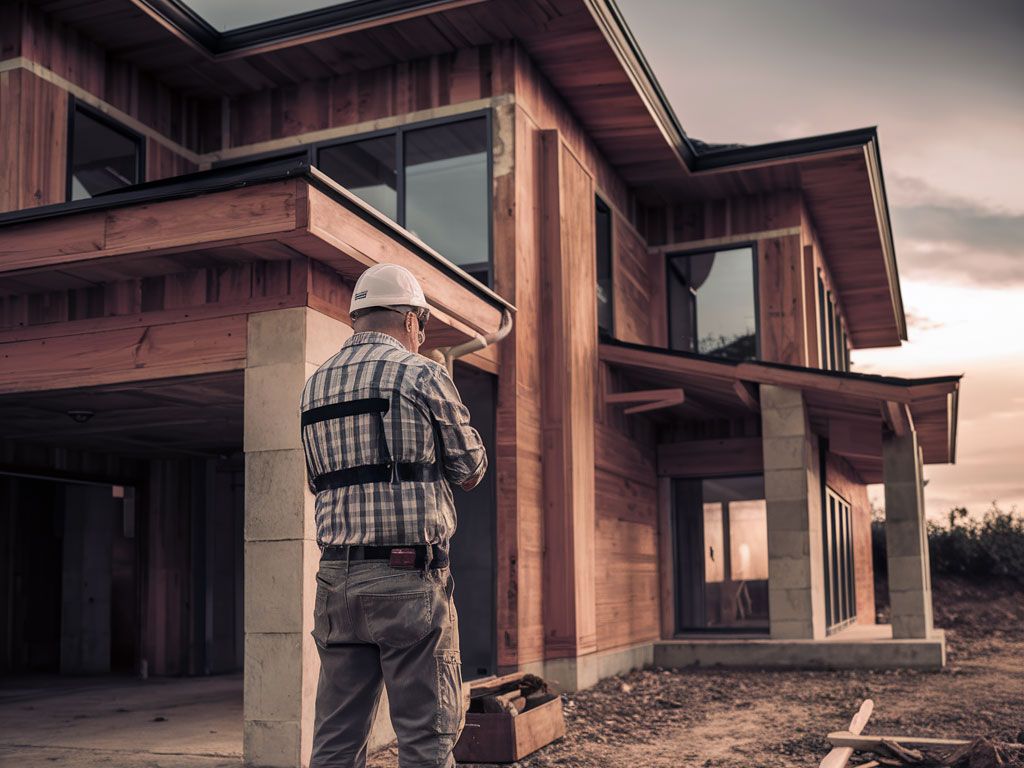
123,722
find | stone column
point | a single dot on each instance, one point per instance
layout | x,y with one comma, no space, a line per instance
906,536
284,347
792,486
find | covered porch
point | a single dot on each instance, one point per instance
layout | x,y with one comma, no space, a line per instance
812,440
152,335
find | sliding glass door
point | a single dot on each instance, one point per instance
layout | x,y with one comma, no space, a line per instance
721,554
840,592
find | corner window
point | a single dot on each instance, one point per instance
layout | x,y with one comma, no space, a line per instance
712,303
102,155
722,554
605,295
432,179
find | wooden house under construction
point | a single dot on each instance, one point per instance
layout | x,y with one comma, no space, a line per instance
679,450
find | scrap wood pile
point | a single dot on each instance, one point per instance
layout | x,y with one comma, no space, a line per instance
917,751
513,694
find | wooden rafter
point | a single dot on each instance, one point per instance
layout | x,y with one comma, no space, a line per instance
898,417
747,394
650,399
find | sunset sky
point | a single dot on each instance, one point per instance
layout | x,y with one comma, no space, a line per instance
944,82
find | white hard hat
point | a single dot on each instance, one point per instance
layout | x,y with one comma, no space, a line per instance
387,285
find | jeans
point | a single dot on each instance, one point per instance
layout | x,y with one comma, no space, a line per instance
376,625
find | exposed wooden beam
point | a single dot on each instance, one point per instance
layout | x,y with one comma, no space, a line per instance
651,399
710,458
130,354
747,394
855,439
898,417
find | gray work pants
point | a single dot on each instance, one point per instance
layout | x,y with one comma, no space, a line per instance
373,625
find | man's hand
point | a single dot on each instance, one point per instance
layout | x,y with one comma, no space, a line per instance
471,483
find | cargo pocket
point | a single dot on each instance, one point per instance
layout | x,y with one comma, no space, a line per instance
448,720
399,620
321,618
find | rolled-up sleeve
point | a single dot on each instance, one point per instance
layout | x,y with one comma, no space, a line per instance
463,453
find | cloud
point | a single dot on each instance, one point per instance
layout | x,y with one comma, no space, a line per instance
920,322
944,236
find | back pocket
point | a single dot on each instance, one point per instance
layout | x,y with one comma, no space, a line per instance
397,620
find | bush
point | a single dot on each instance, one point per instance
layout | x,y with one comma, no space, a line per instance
992,547
979,549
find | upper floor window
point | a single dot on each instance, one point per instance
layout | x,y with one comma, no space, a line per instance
833,342
605,297
102,155
432,179
712,303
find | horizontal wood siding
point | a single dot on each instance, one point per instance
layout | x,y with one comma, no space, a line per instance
626,516
843,479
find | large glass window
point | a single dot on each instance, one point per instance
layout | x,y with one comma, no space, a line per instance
447,199
711,303
722,554
103,156
605,296
433,180
366,168
840,592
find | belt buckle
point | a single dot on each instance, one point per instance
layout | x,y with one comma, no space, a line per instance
402,557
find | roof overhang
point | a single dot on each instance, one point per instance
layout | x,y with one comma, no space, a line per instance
852,410
262,212
587,52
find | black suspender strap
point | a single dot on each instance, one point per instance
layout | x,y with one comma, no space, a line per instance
388,471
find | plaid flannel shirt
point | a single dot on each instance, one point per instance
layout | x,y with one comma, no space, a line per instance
421,395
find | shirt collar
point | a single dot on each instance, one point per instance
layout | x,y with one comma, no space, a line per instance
373,337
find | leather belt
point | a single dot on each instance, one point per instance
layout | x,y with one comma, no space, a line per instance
364,552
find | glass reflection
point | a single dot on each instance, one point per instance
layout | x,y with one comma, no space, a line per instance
447,200
102,157
367,168
712,309
722,545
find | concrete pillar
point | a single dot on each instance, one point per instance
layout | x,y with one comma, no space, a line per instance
906,536
792,486
284,347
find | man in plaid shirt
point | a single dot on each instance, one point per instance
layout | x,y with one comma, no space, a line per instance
386,435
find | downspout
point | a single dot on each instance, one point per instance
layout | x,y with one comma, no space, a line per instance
480,342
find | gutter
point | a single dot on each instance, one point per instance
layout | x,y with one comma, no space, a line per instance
480,342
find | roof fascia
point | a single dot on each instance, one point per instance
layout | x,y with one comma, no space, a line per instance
187,22
896,381
206,182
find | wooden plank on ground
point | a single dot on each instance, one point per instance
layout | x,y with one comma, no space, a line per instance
840,756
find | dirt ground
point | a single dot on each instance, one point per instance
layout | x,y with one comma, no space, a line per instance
663,718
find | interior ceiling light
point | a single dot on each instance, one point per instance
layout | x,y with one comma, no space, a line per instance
80,417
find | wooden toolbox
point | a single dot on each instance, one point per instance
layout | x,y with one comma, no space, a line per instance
504,737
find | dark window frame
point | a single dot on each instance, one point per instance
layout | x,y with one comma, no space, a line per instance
601,207
75,106
679,558
838,558
399,132
755,275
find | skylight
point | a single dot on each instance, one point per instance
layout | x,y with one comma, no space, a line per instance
227,15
